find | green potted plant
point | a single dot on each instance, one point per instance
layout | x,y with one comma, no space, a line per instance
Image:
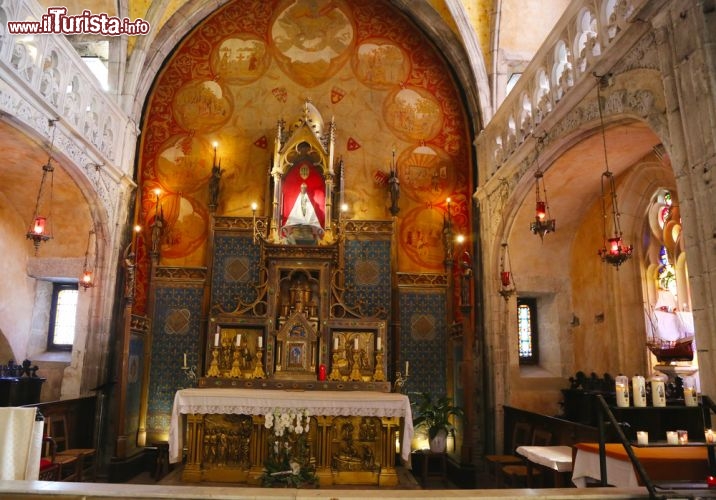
434,414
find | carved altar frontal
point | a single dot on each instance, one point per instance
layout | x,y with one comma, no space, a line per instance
351,436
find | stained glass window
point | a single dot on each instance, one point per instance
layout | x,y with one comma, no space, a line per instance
527,330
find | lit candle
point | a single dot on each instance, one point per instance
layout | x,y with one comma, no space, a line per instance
238,340
216,339
379,345
683,437
335,343
710,436
642,437
184,360
261,342
407,366
672,437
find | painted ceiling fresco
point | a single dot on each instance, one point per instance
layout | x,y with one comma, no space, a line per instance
255,62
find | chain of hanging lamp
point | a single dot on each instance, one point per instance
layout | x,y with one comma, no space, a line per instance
613,251
40,228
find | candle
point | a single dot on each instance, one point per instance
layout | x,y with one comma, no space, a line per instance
682,436
216,339
184,360
335,343
710,436
261,342
379,346
672,437
690,397
238,340
638,387
355,343
622,390
278,354
407,366
642,437
658,394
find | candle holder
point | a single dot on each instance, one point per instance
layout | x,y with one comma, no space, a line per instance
259,368
378,375
190,373
355,375
214,366
399,384
235,369
335,374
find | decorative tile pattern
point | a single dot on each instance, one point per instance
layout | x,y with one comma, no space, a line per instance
168,348
366,263
236,270
423,337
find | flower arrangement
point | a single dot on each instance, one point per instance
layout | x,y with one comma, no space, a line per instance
288,462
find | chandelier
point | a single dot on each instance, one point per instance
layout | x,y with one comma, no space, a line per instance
87,279
40,229
614,251
542,224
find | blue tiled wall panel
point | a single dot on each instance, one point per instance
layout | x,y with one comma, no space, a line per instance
423,332
373,286
235,272
175,330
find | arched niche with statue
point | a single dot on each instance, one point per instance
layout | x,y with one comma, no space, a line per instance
303,177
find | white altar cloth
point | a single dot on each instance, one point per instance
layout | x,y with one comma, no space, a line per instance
264,401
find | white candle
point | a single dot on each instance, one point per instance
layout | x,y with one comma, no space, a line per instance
622,390
638,387
642,437
407,366
335,343
216,339
355,343
184,360
379,339
261,342
238,340
672,437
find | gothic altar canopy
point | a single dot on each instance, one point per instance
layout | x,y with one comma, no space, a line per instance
303,178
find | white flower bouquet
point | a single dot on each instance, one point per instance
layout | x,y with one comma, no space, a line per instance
288,462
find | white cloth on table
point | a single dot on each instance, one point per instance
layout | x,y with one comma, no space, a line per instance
20,444
557,458
264,401
620,473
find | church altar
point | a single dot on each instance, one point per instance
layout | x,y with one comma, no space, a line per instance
352,439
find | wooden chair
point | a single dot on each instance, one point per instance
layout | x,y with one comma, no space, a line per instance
49,469
86,457
521,435
521,475
60,468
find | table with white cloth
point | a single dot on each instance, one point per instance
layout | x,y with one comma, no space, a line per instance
355,420
557,459
20,443
661,463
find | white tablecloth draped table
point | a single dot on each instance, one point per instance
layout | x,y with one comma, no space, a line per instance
264,401
20,444
558,458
